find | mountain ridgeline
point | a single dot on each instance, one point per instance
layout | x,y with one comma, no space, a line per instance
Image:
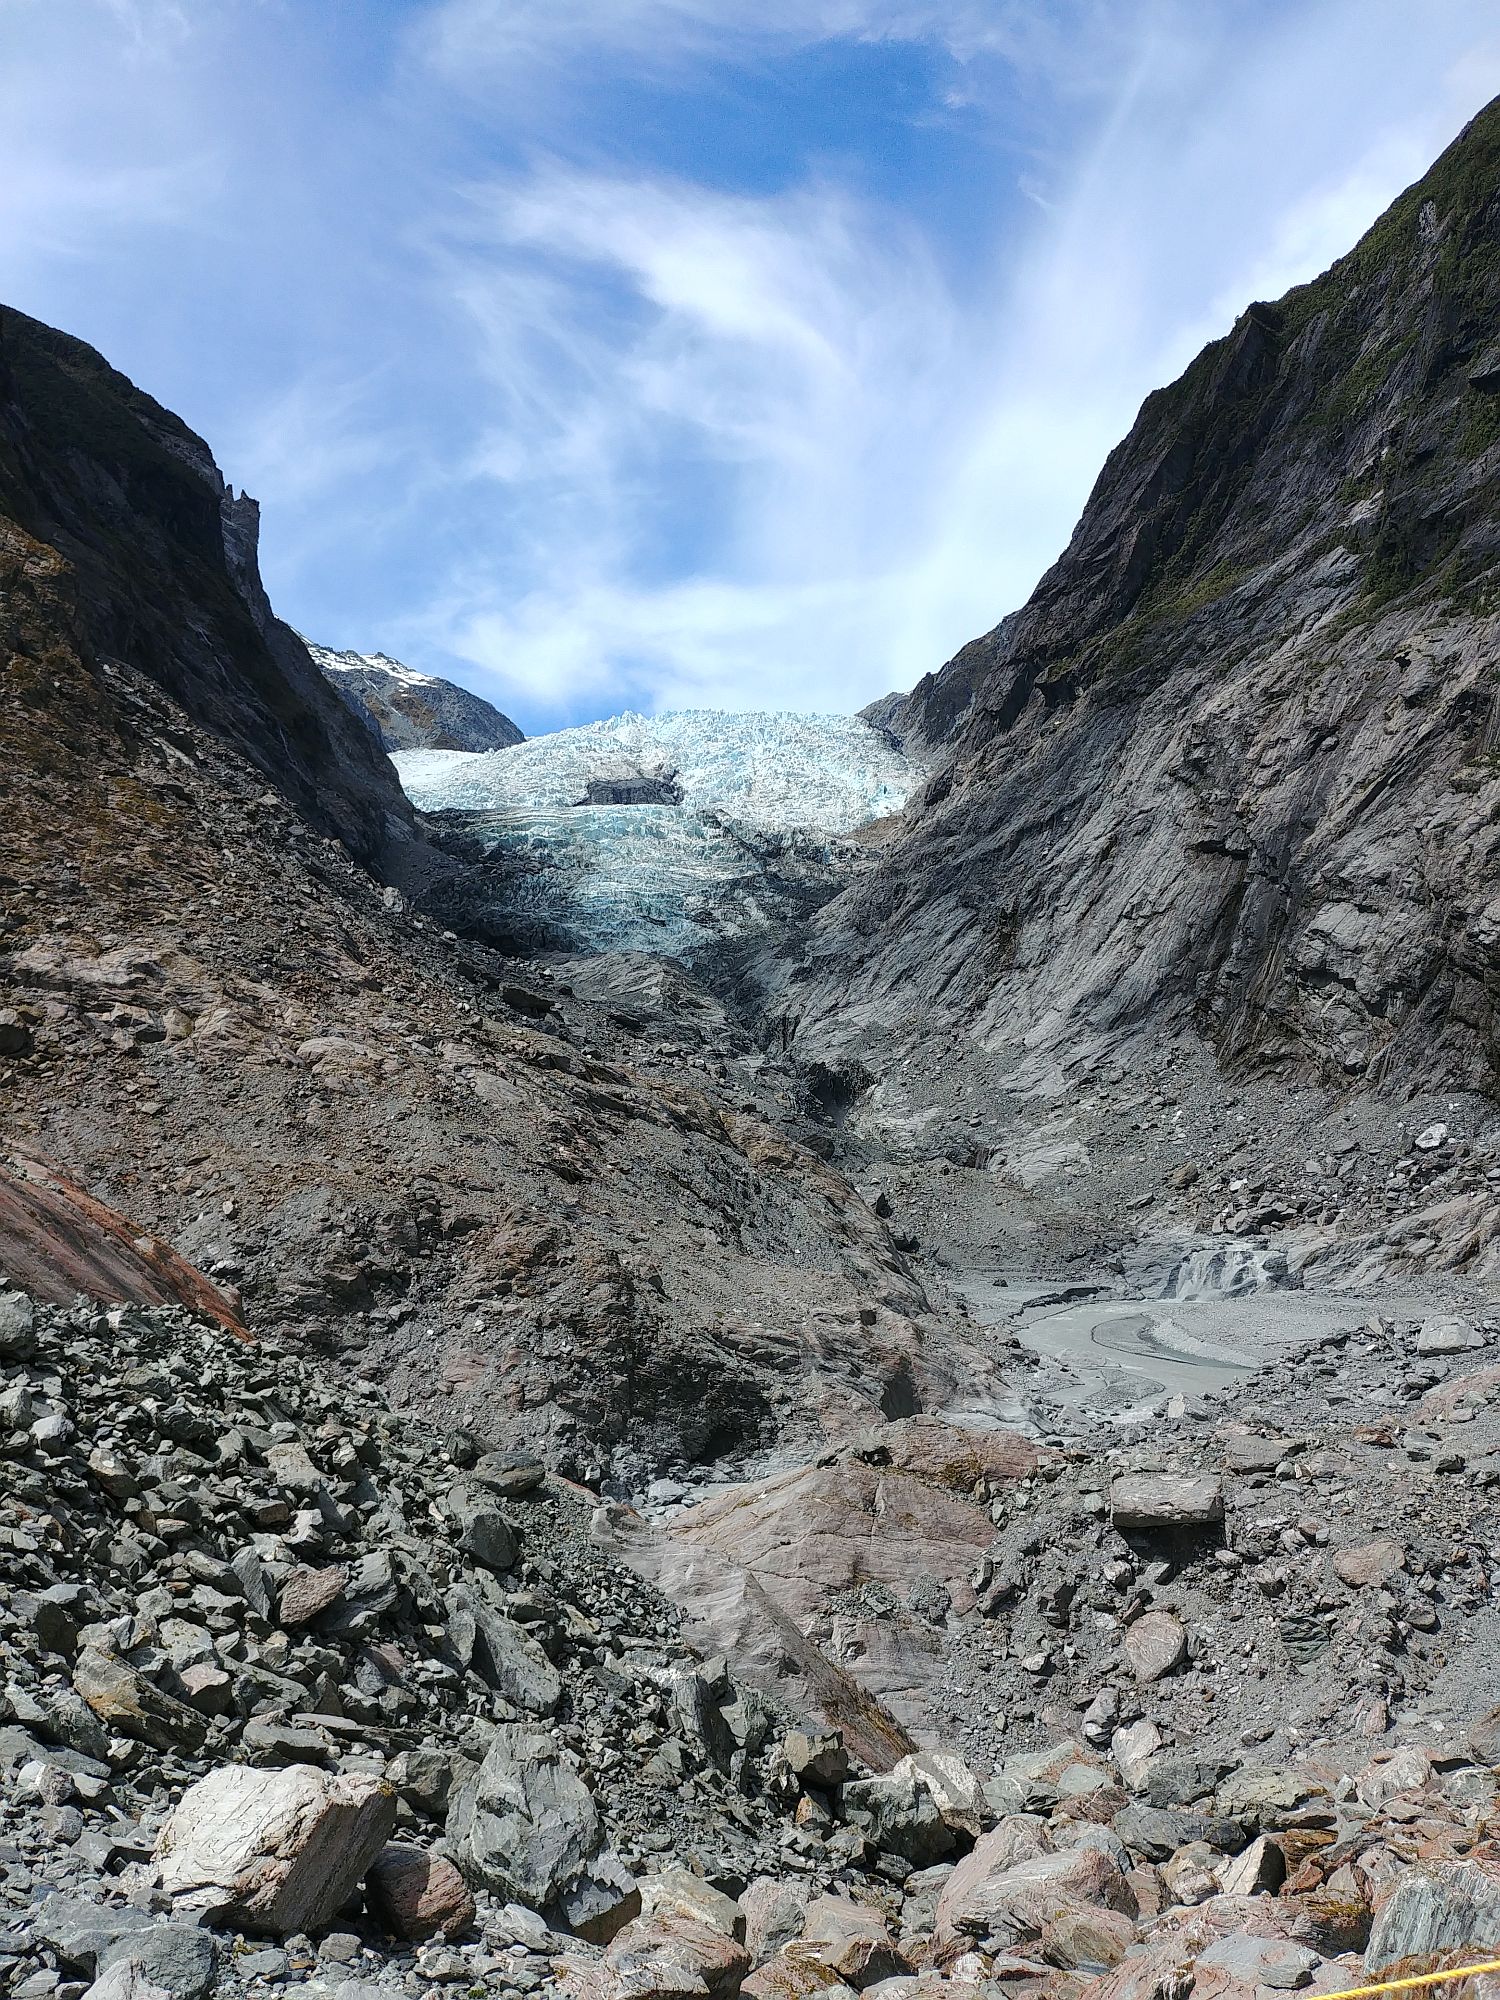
1233,766
411,711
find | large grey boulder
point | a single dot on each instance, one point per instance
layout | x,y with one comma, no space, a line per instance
180,1960
1446,1333
1165,1500
272,1851
510,1660
81,1933
17,1326
482,1530
524,1825
1433,1911
900,1816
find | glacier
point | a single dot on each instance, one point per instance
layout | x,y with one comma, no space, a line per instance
747,817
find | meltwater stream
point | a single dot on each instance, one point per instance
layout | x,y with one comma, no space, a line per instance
1218,1314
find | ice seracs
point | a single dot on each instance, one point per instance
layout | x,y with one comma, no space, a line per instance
664,833
823,773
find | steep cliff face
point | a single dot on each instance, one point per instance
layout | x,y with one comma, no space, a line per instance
158,564
1234,766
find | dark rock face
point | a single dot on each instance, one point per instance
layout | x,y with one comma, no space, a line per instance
642,791
412,711
1233,765
159,573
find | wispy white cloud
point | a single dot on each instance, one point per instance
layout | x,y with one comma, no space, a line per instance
791,363
535,378
472,40
320,432
887,456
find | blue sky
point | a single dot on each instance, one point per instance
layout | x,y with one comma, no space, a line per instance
656,353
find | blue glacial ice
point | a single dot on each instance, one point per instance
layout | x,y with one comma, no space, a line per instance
768,802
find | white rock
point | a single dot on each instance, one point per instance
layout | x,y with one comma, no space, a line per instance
275,1851
1446,1333
125,1981
1133,1749
953,1788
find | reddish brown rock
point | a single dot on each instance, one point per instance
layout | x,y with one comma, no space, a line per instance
1084,1934
659,1958
1370,1564
797,1972
57,1240
418,1895
988,1897
308,1591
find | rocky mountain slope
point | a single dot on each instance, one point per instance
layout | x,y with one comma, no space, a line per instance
1224,792
412,711
602,1232
123,546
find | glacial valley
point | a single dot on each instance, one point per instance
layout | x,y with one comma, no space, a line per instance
748,1354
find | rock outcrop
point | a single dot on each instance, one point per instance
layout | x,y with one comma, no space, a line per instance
117,529
411,711
1231,771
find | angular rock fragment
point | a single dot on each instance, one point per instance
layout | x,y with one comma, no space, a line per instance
308,1591
272,1851
1155,1500
1432,1912
597,1904
129,1703
899,1815
663,1958
482,1530
676,1893
418,1895
1446,1333
1002,1902
852,1939
524,1825
816,1759
774,1912
1155,1645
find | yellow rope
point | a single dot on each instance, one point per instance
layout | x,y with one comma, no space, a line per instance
1401,1985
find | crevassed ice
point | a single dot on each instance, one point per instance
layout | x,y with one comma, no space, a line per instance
830,772
765,798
